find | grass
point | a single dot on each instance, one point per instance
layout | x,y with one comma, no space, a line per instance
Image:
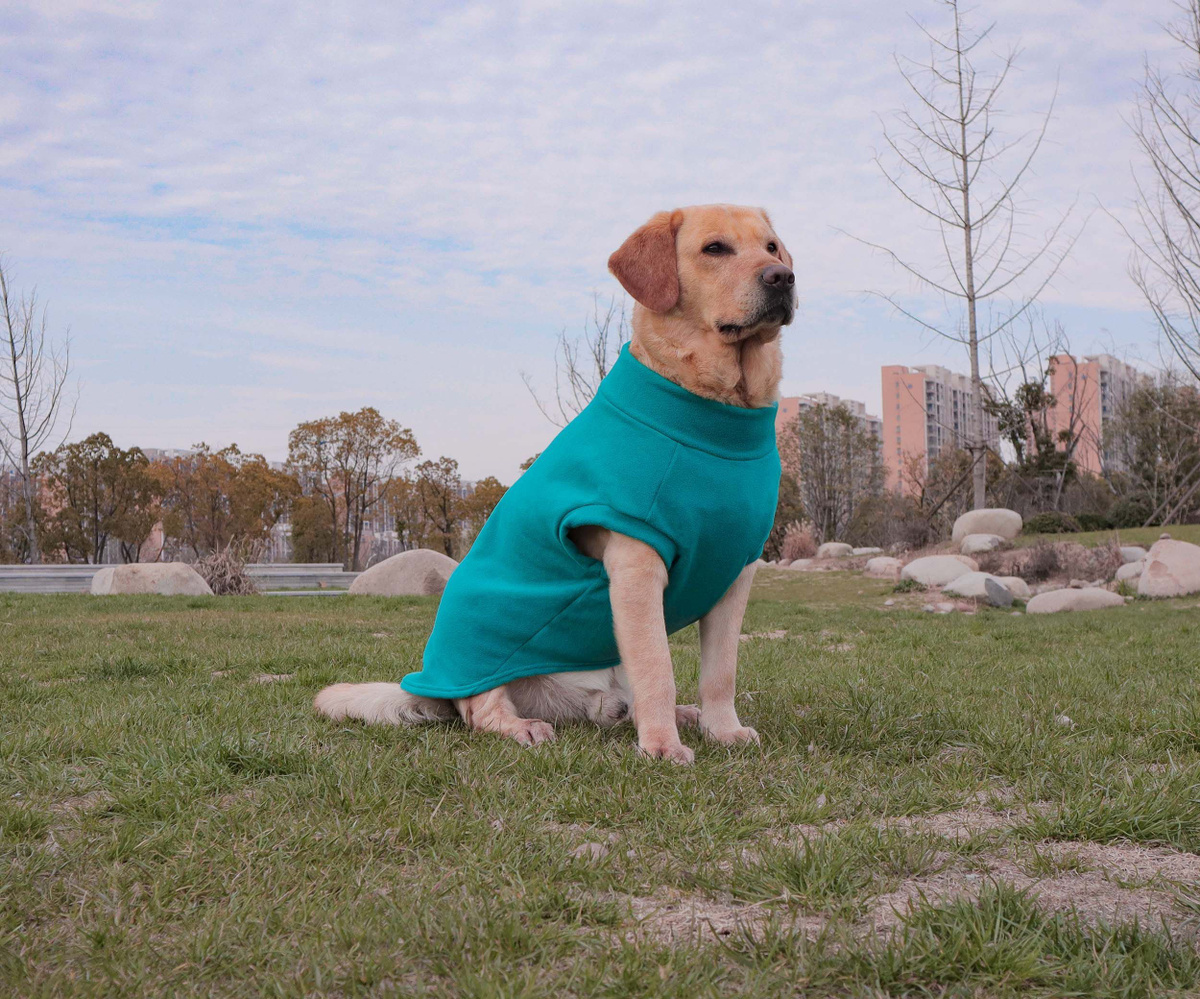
170,825
1143,536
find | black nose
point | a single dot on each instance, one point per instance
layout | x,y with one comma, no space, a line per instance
777,277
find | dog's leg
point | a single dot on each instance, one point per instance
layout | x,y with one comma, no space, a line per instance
493,711
720,631
637,578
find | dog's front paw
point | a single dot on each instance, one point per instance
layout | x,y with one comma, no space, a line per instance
687,714
732,735
663,748
531,732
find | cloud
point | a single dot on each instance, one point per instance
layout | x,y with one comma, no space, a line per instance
405,203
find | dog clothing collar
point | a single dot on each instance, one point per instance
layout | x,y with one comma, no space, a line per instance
693,421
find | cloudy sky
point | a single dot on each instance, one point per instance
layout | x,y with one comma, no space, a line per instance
249,214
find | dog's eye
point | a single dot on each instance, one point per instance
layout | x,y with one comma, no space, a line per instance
772,248
715,248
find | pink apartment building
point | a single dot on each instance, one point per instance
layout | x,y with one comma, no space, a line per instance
1088,394
926,409
790,406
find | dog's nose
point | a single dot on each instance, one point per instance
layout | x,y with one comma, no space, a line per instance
776,277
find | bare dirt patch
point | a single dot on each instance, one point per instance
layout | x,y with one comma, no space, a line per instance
1120,882
273,677
672,916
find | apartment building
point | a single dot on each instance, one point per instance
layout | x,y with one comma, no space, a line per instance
927,409
791,406
1088,394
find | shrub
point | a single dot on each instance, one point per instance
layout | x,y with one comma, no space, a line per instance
1132,511
1051,522
1093,521
1039,562
225,573
797,542
1078,562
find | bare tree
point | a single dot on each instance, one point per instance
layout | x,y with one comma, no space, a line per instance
1045,431
581,362
947,160
33,394
837,464
1166,260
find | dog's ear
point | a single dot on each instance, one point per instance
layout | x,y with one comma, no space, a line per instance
783,253
645,263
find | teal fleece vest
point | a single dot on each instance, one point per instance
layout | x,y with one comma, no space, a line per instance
695,479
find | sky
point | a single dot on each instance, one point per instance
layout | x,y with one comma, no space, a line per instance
252,214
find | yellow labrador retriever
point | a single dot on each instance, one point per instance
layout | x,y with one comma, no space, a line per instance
713,286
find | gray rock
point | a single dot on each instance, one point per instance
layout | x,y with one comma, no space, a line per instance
867,551
417,573
834,549
1016,586
1005,523
1132,553
165,578
976,544
1057,601
1130,570
883,567
1172,569
937,570
980,586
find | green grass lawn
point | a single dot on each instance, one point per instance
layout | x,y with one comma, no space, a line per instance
1144,536
175,820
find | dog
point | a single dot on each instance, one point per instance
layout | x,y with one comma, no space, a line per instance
645,514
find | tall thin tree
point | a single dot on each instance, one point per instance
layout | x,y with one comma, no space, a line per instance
946,158
1166,260
33,394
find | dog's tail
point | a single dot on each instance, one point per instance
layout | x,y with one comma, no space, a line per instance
380,704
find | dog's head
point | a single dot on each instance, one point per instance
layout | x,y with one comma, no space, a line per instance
721,268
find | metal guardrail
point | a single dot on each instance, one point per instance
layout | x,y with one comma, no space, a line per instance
266,575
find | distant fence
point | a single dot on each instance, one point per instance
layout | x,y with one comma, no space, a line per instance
266,575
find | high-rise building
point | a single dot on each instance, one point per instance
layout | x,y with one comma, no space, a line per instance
927,409
790,406
1088,394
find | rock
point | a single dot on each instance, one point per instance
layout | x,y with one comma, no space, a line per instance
798,564
1016,586
889,603
834,549
166,578
417,573
1164,536
975,544
883,567
936,570
945,607
1064,721
1130,570
783,563
980,586
969,562
1172,569
1054,601
1005,523
1132,553
867,551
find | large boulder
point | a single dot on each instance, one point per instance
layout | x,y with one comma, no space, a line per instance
1005,523
1016,586
980,586
867,551
883,567
937,570
417,573
977,544
1132,553
1172,569
1056,601
834,549
167,578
